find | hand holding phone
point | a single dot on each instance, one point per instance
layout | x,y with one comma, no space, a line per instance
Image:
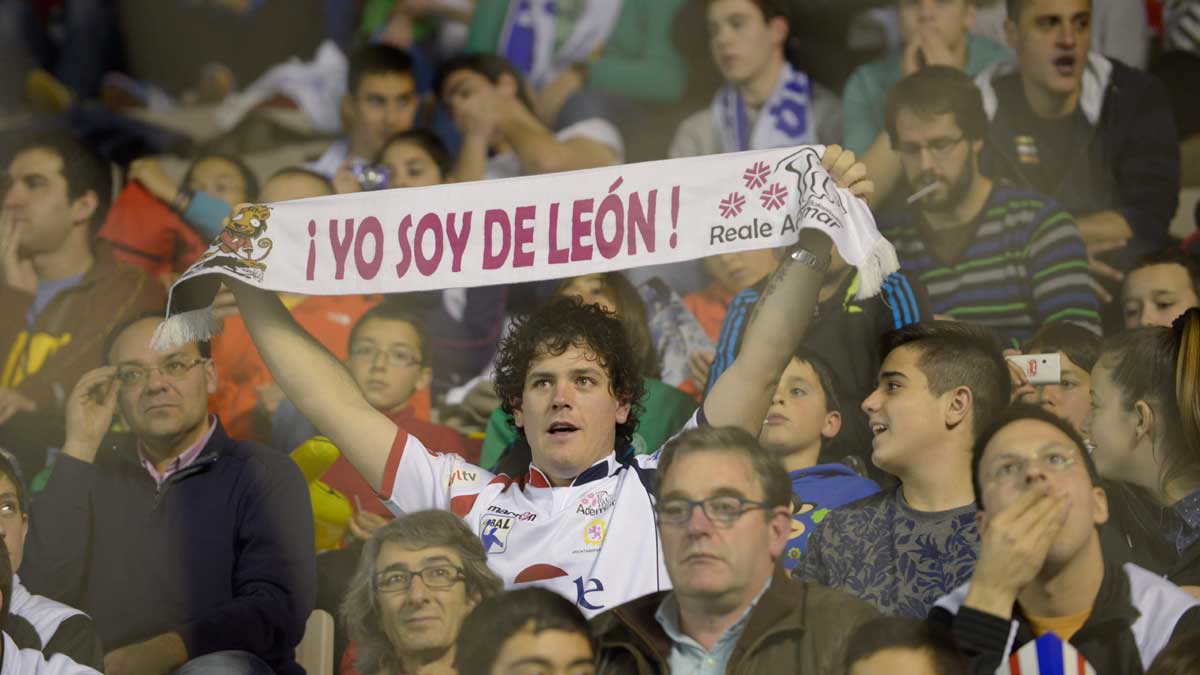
1038,368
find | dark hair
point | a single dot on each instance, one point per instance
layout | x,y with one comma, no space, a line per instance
427,141
893,632
83,169
1161,366
631,310
825,377
954,354
302,171
1080,345
11,469
771,9
393,310
490,66
377,59
1171,256
244,169
1015,7
203,346
1024,411
556,327
938,90
772,477
1181,656
498,618
414,531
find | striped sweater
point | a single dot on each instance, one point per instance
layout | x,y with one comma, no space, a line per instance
1025,266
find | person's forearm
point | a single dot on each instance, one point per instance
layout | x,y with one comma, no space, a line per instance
1103,226
472,159
777,325
539,151
317,383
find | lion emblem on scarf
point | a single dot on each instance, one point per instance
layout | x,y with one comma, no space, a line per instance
241,247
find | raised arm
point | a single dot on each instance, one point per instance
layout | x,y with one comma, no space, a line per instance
317,383
779,321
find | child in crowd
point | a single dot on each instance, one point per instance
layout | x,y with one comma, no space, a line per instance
1077,348
1160,287
186,216
804,417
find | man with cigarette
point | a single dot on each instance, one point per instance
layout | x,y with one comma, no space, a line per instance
1004,257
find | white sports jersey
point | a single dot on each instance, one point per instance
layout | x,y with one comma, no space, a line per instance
594,542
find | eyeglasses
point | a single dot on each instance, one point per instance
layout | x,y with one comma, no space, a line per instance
721,510
434,576
1009,470
175,369
939,147
397,355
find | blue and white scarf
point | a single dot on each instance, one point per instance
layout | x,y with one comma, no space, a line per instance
785,120
527,39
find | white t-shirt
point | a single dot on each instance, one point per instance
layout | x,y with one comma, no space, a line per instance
594,542
508,164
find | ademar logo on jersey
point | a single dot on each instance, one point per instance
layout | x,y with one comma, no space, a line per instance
595,503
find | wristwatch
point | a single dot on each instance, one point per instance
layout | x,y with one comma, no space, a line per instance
809,259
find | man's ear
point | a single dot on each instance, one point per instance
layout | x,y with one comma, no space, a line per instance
623,412
970,18
832,425
981,522
84,206
780,527
210,376
425,378
346,111
778,28
958,406
518,416
1100,507
1010,34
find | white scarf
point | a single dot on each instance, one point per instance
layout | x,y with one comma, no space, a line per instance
784,120
529,229
527,39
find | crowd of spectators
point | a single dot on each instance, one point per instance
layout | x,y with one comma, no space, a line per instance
729,465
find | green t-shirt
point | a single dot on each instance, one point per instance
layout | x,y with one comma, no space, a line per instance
639,59
665,410
864,102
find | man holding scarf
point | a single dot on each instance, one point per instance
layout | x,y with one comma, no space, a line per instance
580,522
765,102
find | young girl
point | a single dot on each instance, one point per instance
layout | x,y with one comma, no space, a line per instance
1145,424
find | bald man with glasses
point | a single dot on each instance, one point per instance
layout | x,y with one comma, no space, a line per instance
192,551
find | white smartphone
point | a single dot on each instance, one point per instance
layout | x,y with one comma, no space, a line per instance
1039,368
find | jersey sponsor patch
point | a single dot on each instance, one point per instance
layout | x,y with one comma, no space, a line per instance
595,503
493,533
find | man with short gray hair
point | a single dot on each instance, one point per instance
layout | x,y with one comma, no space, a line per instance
732,609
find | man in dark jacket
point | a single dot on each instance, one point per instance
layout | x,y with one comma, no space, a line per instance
1041,568
732,609
185,546
1096,135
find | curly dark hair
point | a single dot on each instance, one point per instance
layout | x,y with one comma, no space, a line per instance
550,331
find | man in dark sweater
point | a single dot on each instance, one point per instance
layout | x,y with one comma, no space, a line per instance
1092,133
184,545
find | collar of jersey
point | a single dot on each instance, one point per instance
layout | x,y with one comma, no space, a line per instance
601,469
